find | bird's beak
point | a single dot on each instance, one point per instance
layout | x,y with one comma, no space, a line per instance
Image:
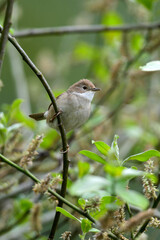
95,89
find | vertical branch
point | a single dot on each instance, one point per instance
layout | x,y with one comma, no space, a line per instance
6,26
63,193
60,125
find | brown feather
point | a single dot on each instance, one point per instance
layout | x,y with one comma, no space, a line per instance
37,116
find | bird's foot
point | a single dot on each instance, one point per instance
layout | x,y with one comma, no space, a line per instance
62,152
55,115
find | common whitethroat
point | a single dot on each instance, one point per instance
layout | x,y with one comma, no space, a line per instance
74,106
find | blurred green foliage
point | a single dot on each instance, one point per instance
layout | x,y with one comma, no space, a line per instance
128,105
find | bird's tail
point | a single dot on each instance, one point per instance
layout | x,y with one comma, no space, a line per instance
37,116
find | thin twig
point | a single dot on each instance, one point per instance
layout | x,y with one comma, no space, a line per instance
36,180
60,125
6,26
84,29
145,224
59,197
123,75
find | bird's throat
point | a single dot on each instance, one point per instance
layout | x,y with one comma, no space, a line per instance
87,95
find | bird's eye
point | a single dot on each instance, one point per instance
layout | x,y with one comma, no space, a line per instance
84,87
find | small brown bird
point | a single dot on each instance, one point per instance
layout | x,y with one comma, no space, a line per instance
74,106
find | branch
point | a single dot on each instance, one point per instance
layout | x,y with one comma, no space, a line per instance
59,197
6,26
2,6
84,29
43,81
36,180
60,125
145,224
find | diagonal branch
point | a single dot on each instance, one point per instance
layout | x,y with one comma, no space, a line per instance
84,29
6,26
60,125
36,180
145,224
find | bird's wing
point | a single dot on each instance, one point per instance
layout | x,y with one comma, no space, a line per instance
51,115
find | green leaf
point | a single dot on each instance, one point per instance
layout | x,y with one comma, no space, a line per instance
83,168
109,19
84,51
151,66
137,42
93,156
16,104
132,197
101,71
112,18
20,206
25,204
3,135
115,171
144,156
108,199
11,31
113,153
3,119
115,147
49,139
87,185
107,203
66,213
151,176
94,230
2,126
82,202
146,3
14,113
86,225
25,119
102,147
129,173
110,202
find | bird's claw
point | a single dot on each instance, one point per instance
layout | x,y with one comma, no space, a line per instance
62,152
55,115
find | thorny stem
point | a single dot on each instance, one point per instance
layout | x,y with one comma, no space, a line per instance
84,29
61,128
6,25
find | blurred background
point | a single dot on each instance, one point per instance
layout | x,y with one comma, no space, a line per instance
128,104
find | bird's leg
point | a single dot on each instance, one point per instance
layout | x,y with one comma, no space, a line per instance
55,115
